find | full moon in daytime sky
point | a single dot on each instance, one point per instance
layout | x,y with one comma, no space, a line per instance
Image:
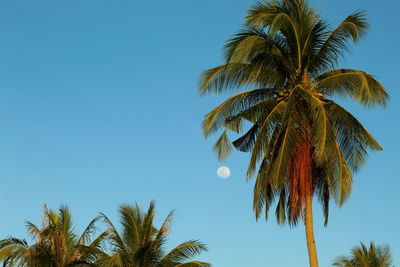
223,172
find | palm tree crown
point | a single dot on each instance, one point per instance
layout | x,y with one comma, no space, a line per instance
302,143
363,256
56,244
140,244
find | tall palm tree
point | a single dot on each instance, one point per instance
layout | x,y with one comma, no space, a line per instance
363,256
56,244
302,143
140,244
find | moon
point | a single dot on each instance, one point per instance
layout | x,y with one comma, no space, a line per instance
223,172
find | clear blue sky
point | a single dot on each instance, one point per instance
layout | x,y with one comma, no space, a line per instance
99,106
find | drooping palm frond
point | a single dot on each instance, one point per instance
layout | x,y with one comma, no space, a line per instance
223,147
354,140
216,119
183,253
360,86
264,140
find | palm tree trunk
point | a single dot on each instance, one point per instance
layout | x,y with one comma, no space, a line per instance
308,221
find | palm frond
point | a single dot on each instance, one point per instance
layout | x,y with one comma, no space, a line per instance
270,122
131,226
33,230
337,42
184,252
354,140
113,235
280,211
234,76
215,119
223,147
88,232
291,129
321,125
263,194
360,86
342,180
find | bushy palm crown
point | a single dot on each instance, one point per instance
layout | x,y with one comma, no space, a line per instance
301,141
56,244
140,244
363,256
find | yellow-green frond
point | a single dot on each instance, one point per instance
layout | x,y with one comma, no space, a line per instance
223,147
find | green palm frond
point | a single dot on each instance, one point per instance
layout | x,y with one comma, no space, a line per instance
323,193
183,252
223,147
239,75
321,125
354,140
283,23
131,220
321,129
264,137
258,115
216,119
338,40
264,195
342,179
262,13
147,226
249,42
291,132
360,86
280,211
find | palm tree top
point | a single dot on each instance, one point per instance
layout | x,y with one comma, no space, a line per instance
282,67
55,243
289,41
140,243
366,256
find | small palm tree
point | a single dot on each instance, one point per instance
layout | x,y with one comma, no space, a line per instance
56,244
140,244
302,143
363,256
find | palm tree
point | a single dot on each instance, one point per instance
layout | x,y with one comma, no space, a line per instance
140,244
362,256
56,244
302,143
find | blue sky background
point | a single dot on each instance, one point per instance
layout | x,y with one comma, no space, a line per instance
99,106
